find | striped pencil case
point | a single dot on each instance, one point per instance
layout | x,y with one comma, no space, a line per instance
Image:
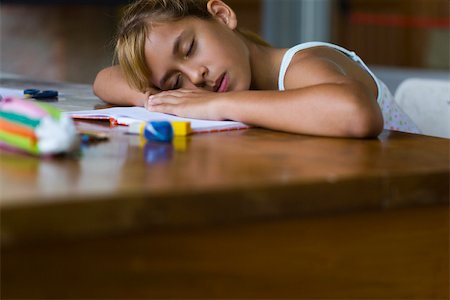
35,128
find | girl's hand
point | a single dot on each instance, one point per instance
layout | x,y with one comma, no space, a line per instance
150,92
197,104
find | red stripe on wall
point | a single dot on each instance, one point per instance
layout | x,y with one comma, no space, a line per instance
392,20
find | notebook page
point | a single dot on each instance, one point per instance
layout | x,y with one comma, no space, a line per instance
128,115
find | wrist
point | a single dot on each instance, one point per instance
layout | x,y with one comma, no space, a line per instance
139,101
224,107
219,108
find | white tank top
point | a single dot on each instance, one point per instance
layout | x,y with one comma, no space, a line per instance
394,117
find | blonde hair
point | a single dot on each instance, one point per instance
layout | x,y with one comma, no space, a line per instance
133,31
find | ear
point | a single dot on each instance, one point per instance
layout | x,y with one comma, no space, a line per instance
223,13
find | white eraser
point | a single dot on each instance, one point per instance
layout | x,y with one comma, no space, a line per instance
136,128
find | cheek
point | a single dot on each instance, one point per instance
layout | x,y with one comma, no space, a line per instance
238,64
245,74
245,83
231,54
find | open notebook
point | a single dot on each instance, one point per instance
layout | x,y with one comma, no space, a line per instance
127,115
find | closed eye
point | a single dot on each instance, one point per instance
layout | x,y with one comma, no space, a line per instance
191,48
178,81
189,52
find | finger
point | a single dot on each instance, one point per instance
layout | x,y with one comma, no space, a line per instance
159,99
153,91
178,93
187,91
163,108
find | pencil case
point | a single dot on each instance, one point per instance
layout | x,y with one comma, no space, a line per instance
35,128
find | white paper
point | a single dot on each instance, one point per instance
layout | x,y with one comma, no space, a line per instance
128,115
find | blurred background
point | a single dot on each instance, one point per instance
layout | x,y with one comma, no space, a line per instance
72,40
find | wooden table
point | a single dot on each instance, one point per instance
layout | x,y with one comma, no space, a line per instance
240,214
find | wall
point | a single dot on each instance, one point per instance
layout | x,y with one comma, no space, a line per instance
290,22
403,33
61,42
72,42
400,33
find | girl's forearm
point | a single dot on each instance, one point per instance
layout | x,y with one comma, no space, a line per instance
111,86
342,110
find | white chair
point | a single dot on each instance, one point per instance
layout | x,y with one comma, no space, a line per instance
427,102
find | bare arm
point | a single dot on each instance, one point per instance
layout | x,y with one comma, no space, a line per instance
328,102
339,110
330,109
332,100
111,86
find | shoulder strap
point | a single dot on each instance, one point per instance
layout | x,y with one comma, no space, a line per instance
292,51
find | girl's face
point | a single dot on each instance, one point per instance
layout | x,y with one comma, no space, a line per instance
198,54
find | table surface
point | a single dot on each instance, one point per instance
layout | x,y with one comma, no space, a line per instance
241,214
210,178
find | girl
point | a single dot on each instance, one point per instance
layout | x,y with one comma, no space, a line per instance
188,58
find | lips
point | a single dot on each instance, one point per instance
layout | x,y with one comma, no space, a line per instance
222,84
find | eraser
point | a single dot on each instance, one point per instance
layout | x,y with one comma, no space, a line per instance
158,131
136,128
181,128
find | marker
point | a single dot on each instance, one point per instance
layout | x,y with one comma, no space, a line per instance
40,95
89,137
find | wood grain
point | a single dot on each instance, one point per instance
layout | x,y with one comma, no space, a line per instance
392,254
218,178
247,214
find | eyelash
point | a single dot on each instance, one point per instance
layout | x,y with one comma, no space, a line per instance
177,84
191,48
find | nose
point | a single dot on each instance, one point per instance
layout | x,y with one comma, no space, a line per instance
197,75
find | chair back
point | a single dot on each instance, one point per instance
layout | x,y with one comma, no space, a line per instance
427,102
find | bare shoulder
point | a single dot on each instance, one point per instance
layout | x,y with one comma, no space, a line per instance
320,65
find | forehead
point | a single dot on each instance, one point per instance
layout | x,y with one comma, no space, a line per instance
163,34
161,31
160,41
